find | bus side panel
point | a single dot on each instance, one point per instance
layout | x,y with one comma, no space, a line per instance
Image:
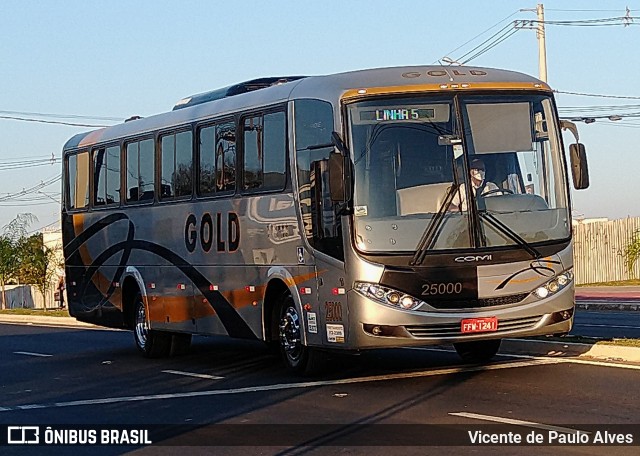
262,234
87,284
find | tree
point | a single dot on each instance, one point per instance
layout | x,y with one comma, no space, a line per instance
38,264
10,238
632,252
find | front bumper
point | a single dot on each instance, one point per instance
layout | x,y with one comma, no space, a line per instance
379,326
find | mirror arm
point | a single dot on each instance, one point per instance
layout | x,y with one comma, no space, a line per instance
566,125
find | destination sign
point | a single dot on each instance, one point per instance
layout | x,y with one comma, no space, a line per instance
396,114
400,112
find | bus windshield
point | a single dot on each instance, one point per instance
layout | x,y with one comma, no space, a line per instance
501,154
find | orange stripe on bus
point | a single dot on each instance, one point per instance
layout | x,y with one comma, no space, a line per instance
370,91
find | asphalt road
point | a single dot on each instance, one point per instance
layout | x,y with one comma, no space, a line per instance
54,376
607,324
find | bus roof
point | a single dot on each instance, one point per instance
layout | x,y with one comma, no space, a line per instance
334,87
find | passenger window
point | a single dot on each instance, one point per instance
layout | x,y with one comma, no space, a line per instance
78,181
176,158
140,171
106,176
265,151
217,152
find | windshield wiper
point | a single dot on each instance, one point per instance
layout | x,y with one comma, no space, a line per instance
504,229
429,234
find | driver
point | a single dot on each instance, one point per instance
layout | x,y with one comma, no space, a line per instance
478,185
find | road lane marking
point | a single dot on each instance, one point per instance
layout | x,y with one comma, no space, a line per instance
193,374
287,386
43,355
530,424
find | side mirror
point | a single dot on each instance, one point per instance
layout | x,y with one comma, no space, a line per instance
339,171
579,168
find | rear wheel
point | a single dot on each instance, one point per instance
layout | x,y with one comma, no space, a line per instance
151,343
477,351
296,356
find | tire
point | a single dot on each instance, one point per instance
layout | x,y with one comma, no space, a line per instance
478,351
151,343
296,356
180,344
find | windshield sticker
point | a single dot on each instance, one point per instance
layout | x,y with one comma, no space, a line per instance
457,151
360,211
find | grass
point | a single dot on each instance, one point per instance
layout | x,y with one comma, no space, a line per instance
618,283
36,312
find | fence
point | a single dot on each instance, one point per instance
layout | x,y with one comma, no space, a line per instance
28,297
599,248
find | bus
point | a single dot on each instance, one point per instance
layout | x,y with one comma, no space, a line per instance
319,214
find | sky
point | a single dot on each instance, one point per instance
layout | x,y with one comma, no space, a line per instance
101,62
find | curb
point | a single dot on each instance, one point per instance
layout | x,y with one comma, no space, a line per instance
607,304
46,321
600,351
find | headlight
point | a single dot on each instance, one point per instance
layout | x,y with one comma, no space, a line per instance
554,285
387,296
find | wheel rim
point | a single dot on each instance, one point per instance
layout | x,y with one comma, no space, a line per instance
142,327
290,334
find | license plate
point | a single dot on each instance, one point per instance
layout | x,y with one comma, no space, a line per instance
475,325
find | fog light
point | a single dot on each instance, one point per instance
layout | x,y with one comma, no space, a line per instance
376,330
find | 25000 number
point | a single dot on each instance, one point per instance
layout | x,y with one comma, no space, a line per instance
430,289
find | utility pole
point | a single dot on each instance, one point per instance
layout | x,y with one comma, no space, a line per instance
539,28
542,47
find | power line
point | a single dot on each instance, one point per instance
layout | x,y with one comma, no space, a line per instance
32,189
13,165
622,97
491,45
59,116
585,10
602,22
481,33
72,124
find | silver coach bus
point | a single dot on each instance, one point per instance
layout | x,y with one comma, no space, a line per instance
379,208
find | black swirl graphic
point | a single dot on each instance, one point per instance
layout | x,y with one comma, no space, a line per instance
232,321
536,266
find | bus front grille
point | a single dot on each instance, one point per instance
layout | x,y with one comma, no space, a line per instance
482,302
453,329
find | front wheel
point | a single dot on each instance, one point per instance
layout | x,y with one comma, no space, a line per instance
296,356
477,351
151,343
